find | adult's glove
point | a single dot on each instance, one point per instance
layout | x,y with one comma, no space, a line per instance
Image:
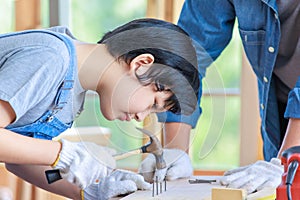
83,163
178,166
6,193
120,182
255,176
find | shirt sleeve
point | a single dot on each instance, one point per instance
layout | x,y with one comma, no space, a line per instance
29,75
210,25
293,104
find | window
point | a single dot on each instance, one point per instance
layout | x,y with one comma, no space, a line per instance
7,16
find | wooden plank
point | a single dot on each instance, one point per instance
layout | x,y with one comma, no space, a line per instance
169,10
227,193
177,9
156,9
151,8
27,14
250,122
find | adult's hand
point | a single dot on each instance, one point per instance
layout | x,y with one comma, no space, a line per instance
178,166
255,176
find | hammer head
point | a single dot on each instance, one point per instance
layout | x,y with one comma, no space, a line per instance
154,147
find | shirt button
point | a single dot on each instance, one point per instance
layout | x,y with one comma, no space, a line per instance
262,106
271,49
276,16
265,79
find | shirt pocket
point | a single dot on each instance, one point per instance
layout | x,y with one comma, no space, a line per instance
254,46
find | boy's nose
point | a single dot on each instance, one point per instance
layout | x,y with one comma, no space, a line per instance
141,116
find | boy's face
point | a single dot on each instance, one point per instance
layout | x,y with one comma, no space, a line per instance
130,100
126,98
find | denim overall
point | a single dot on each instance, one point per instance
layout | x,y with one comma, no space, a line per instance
48,125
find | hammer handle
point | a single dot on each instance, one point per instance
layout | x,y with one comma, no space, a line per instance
127,154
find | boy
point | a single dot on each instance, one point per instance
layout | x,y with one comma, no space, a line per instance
144,66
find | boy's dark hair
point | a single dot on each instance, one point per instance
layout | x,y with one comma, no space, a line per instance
175,61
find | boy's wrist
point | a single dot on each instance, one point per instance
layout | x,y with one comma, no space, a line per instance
58,155
81,195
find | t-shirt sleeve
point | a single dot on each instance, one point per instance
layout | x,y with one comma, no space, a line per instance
293,105
28,75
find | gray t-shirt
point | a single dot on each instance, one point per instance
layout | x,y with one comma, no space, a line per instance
287,67
32,67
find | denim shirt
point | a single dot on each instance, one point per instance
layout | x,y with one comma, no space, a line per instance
210,24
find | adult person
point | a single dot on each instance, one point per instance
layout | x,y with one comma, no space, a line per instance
144,66
270,33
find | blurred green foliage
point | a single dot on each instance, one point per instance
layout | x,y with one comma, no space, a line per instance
7,16
90,21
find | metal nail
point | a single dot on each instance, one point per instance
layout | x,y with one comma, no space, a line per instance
153,189
160,187
156,185
165,184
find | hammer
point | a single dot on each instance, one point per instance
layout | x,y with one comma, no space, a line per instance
154,147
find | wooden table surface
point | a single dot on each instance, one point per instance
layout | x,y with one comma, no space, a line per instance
177,190
181,189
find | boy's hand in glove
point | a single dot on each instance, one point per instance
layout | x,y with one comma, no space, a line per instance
255,176
118,183
82,163
178,166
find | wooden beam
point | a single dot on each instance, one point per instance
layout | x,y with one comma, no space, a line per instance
151,8
156,9
177,6
169,10
27,14
164,9
250,147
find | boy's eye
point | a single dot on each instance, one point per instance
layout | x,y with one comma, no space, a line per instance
159,87
155,106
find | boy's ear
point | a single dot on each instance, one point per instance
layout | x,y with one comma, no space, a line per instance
141,63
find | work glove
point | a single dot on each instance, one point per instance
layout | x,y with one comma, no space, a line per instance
120,182
178,166
82,163
6,193
254,177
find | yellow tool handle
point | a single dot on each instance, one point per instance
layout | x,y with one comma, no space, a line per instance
127,154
